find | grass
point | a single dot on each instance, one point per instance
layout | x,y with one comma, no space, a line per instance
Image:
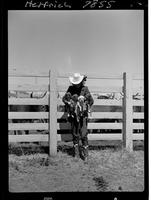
110,169
42,147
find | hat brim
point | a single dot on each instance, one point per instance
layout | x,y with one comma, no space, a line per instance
71,79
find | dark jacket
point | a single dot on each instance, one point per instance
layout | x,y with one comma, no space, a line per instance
83,90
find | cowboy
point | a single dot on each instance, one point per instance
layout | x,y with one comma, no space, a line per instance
78,102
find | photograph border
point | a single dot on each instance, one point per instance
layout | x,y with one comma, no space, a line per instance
75,5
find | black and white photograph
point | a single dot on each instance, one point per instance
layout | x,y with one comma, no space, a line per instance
76,102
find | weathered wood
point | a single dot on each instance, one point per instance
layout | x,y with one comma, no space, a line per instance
99,115
28,115
52,113
60,126
28,87
66,126
93,76
63,88
28,138
127,112
66,75
94,115
27,101
27,74
110,102
113,136
138,125
104,89
68,137
137,115
102,102
138,102
28,126
99,89
138,136
53,101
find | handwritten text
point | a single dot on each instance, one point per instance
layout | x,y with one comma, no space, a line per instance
98,4
46,4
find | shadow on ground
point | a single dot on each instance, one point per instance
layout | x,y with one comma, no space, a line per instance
67,147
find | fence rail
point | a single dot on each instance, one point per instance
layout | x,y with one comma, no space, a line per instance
126,114
66,75
94,115
68,137
44,101
63,88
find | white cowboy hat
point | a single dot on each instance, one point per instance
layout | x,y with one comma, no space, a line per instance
76,79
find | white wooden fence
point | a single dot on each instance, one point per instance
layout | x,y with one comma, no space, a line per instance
60,130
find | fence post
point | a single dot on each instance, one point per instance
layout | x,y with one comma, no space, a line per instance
52,113
127,112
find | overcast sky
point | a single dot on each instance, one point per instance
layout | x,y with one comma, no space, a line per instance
101,41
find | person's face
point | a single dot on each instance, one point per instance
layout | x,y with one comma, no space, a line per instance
77,85
84,82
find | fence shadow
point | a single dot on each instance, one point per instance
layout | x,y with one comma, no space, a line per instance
64,128
67,147
64,148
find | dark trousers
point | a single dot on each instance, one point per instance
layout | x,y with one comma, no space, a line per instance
79,131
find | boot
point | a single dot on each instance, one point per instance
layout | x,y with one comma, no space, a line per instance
76,150
85,152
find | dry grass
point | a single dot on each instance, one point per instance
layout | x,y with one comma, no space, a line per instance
106,170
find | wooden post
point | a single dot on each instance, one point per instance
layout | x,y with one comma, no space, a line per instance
52,113
127,112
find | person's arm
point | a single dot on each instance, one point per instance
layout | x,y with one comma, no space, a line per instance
88,96
66,98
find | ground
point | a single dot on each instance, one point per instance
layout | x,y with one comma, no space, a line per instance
106,170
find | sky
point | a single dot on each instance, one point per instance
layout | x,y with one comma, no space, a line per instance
86,41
